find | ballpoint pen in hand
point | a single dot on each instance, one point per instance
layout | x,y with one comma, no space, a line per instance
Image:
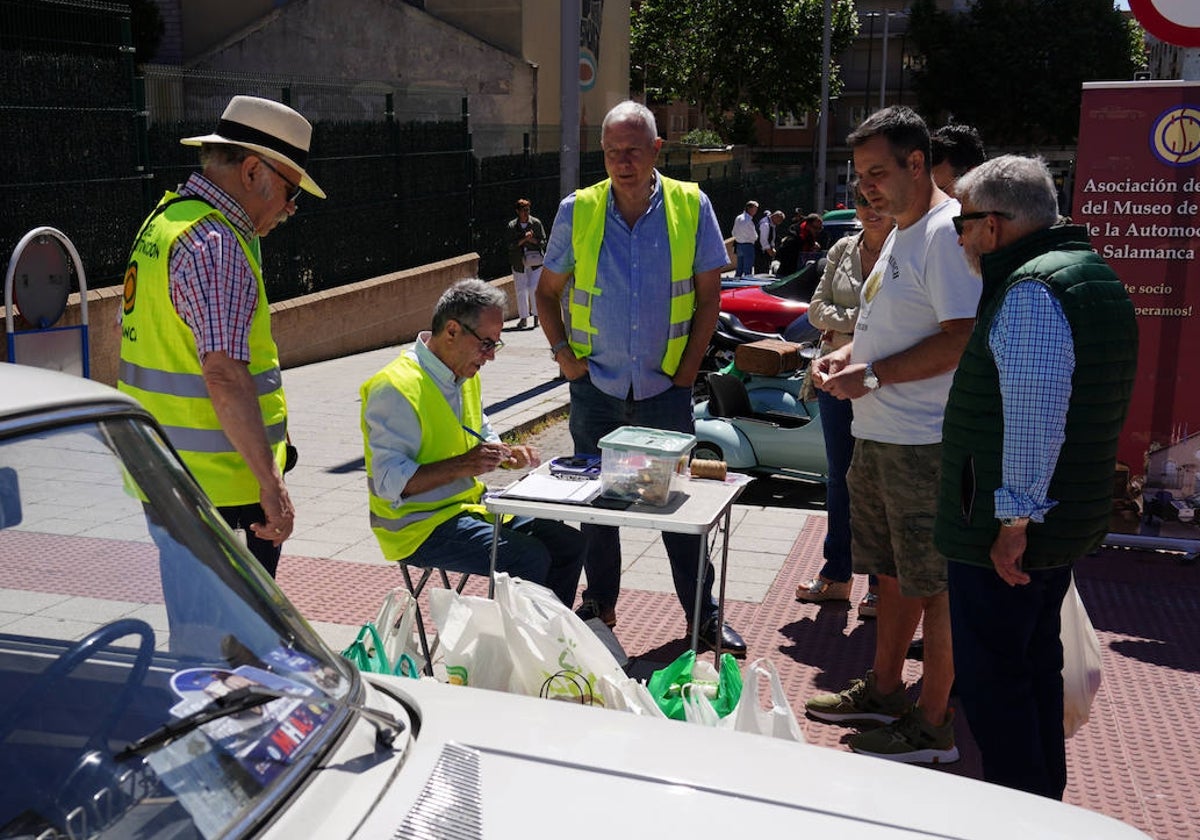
474,434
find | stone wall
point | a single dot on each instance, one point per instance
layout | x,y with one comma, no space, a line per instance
379,312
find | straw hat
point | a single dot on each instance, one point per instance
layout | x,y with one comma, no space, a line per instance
267,128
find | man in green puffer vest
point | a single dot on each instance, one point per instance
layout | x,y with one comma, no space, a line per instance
1029,446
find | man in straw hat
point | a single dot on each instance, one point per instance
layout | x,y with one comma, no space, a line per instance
196,346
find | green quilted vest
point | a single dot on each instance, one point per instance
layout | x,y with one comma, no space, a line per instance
1102,323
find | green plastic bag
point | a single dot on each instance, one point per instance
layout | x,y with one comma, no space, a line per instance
367,651
666,685
368,654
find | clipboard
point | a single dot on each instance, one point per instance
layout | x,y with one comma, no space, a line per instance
539,487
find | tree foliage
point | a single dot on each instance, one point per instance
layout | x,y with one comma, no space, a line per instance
736,58
1014,68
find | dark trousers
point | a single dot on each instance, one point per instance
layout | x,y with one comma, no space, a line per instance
242,517
1008,672
836,417
593,415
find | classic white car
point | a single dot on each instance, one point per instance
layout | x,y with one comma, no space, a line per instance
155,683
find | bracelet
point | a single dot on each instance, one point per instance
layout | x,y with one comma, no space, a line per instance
558,346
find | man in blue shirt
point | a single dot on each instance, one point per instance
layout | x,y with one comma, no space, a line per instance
642,300
1029,448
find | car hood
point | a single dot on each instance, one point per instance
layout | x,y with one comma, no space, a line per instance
494,765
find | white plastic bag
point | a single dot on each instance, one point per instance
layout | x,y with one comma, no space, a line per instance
395,621
697,708
546,638
776,720
1081,662
628,695
473,647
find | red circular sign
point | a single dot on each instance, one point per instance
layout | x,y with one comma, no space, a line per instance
1172,21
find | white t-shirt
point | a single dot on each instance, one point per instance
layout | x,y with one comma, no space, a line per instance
920,279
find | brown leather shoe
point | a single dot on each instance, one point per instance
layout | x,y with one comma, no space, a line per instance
820,589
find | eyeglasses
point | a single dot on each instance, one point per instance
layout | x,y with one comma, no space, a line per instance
295,188
487,345
979,214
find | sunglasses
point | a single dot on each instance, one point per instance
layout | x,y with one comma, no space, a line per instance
487,345
980,214
293,186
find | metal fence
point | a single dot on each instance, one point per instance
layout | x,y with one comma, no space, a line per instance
91,143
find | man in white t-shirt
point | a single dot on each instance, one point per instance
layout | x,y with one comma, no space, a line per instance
916,314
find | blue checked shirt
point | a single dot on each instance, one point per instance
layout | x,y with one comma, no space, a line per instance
1034,351
633,309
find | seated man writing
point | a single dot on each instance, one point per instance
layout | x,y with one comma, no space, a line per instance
427,439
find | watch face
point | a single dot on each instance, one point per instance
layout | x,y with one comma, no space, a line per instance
870,379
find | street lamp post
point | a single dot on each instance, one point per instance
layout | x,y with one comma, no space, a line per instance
823,117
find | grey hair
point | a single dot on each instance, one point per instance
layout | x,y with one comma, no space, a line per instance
1018,186
223,154
631,112
465,301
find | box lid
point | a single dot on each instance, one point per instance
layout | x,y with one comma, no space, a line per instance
652,441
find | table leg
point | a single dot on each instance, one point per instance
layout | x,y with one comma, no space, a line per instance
724,527
700,564
495,551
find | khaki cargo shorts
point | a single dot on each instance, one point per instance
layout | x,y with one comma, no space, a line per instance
893,501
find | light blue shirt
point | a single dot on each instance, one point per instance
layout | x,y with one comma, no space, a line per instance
1034,350
632,310
394,429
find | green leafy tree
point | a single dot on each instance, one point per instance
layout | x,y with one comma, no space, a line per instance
737,58
1014,68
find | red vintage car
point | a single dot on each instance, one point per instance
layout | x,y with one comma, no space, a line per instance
772,306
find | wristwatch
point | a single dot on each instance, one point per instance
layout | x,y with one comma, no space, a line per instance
558,346
1012,521
870,380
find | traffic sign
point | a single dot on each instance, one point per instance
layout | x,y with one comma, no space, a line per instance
1171,21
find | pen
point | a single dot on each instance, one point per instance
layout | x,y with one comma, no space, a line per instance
474,434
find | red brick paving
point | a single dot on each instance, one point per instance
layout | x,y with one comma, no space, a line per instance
1136,758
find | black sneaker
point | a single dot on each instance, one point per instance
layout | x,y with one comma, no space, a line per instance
590,609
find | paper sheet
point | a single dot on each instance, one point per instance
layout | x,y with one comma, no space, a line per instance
539,487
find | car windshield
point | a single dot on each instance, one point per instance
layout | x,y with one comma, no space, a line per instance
126,604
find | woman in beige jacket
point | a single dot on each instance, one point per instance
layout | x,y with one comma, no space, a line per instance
834,310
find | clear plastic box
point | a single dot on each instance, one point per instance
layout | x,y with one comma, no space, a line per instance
636,464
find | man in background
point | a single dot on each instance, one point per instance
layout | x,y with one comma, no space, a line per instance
955,150
744,236
1029,451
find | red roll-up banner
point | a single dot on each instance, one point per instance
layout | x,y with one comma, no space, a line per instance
1137,188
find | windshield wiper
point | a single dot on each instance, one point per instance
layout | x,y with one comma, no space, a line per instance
248,697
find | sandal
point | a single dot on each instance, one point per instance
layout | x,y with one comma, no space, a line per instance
820,589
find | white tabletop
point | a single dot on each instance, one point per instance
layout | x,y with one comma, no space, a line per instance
694,507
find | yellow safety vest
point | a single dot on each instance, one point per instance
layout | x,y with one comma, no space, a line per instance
401,528
161,368
681,202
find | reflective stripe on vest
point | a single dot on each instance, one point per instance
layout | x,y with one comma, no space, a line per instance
401,527
681,204
161,368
